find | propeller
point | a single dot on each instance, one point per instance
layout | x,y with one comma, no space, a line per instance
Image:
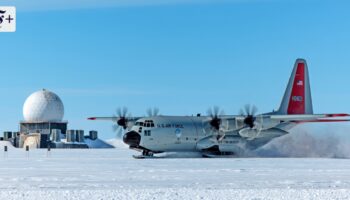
215,121
253,123
214,113
152,112
122,122
249,113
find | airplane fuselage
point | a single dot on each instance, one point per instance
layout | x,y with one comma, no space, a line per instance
192,133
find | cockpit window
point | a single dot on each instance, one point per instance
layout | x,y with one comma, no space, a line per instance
139,124
147,123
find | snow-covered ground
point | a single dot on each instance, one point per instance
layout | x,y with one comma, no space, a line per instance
114,174
272,172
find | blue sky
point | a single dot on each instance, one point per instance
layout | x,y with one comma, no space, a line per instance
180,56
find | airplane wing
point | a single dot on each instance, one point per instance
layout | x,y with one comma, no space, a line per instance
124,122
339,117
295,118
114,119
104,118
320,120
288,121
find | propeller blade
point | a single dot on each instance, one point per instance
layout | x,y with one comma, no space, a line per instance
120,133
216,110
156,111
122,123
241,112
122,117
119,112
149,112
247,109
125,111
254,110
249,113
209,113
115,128
152,112
215,120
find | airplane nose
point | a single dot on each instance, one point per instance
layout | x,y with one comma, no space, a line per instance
132,138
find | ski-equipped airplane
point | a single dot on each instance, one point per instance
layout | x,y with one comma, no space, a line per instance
217,134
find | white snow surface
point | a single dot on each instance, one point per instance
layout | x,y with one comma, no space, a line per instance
302,165
114,174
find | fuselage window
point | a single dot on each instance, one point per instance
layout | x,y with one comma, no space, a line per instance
147,132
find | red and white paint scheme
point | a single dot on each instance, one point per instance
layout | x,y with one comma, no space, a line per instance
216,134
297,98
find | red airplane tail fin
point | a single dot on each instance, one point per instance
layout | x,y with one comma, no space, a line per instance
297,97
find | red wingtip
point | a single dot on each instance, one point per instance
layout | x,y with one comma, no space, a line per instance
92,118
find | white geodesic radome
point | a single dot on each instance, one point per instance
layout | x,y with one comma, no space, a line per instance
43,106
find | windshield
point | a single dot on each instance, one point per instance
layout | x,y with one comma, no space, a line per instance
147,123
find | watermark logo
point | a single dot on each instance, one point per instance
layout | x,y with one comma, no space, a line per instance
7,19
